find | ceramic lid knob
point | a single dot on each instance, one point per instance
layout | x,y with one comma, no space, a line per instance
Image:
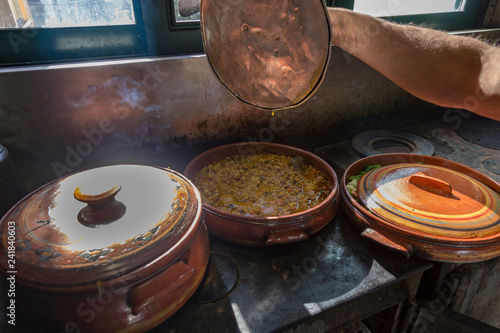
102,208
430,184
83,194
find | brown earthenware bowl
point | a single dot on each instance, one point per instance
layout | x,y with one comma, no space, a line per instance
416,239
262,231
122,261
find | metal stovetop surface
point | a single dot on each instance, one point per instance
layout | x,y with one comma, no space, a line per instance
319,285
329,281
310,285
473,141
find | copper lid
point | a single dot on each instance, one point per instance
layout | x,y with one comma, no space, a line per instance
433,201
98,223
270,54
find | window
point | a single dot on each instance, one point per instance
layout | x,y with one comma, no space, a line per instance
439,14
48,31
407,7
186,11
58,14
36,31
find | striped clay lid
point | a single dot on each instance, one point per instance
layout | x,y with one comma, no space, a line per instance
432,202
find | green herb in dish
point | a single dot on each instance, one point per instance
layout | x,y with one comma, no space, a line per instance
353,180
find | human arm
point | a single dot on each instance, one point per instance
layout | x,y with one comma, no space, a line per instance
447,70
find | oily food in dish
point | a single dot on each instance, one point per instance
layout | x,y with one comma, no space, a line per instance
262,185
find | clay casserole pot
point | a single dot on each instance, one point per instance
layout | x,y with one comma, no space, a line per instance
426,206
263,231
112,249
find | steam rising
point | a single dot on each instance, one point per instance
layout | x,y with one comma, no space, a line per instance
125,95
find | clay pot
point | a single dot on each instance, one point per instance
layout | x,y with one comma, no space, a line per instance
114,249
426,206
263,231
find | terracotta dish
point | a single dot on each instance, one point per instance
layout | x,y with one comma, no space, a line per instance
262,231
426,206
112,249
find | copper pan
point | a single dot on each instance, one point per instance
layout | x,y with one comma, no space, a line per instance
269,54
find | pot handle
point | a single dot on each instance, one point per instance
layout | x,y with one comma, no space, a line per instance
287,236
146,293
406,249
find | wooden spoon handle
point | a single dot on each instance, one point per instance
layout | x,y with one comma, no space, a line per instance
430,184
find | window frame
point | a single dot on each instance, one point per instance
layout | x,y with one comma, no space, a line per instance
157,33
40,45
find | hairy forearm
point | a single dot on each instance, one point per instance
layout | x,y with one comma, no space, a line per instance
444,69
